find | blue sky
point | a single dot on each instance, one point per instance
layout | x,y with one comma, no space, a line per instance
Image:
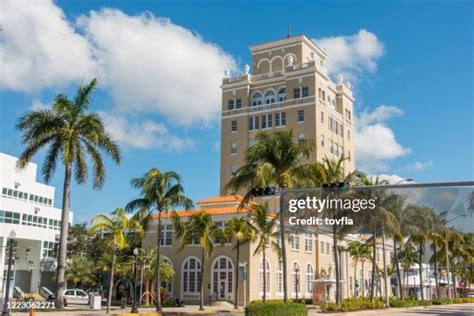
410,64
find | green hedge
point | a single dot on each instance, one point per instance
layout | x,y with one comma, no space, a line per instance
394,302
352,304
275,308
444,301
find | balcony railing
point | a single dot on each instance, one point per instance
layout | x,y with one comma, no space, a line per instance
268,107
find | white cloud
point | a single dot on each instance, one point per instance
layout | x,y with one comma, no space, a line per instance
375,142
418,165
37,104
39,47
151,65
392,178
353,54
145,134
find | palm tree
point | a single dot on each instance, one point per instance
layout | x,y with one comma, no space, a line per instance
71,134
238,228
159,192
332,171
275,159
118,225
202,229
408,258
420,228
359,252
264,224
375,222
80,270
446,236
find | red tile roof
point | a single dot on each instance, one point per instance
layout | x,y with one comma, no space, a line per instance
221,199
212,211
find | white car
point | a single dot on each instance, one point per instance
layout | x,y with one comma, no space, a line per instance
75,296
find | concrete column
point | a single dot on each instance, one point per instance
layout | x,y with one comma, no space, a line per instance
3,244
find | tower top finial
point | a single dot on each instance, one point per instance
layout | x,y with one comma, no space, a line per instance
289,31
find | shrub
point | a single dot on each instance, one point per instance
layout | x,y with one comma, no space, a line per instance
275,308
352,304
410,302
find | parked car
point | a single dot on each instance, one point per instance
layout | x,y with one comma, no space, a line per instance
470,294
73,296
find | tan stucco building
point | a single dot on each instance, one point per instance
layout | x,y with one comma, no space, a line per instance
288,86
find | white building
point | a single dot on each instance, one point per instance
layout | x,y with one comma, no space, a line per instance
27,207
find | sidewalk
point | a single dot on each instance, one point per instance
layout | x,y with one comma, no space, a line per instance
171,311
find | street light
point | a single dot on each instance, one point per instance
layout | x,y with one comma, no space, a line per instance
405,180
134,303
6,307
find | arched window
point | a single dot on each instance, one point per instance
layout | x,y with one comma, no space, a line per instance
168,285
309,278
296,280
279,278
261,278
269,97
222,278
257,99
191,275
281,95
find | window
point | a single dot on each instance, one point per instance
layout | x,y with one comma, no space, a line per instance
221,225
233,148
295,241
301,116
253,123
266,121
328,250
238,103
233,170
166,235
222,278
233,126
324,96
295,273
264,277
336,127
308,242
296,93
330,124
331,147
322,117
305,92
191,275
49,249
321,247
341,130
309,278
349,155
300,137
257,99
269,97
231,104
348,135
279,278
4,191
322,140
350,283
9,217
281,95
280,119
320,93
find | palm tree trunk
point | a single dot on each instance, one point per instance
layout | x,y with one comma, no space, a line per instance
111,282
61,284
374,266
435,254
384,261
158,264
399,277
453,277
447,266
421,269
355,278
236,277
264,276
336,264
147,292
201,277
283,250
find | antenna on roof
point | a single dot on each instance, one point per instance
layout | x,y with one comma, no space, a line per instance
289,31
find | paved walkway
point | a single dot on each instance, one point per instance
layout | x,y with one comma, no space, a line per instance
443,310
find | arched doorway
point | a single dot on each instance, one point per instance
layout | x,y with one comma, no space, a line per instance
222,279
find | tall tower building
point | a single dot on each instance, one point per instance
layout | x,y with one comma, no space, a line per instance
287,87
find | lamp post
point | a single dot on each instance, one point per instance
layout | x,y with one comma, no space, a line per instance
405,180
6,307
134,303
